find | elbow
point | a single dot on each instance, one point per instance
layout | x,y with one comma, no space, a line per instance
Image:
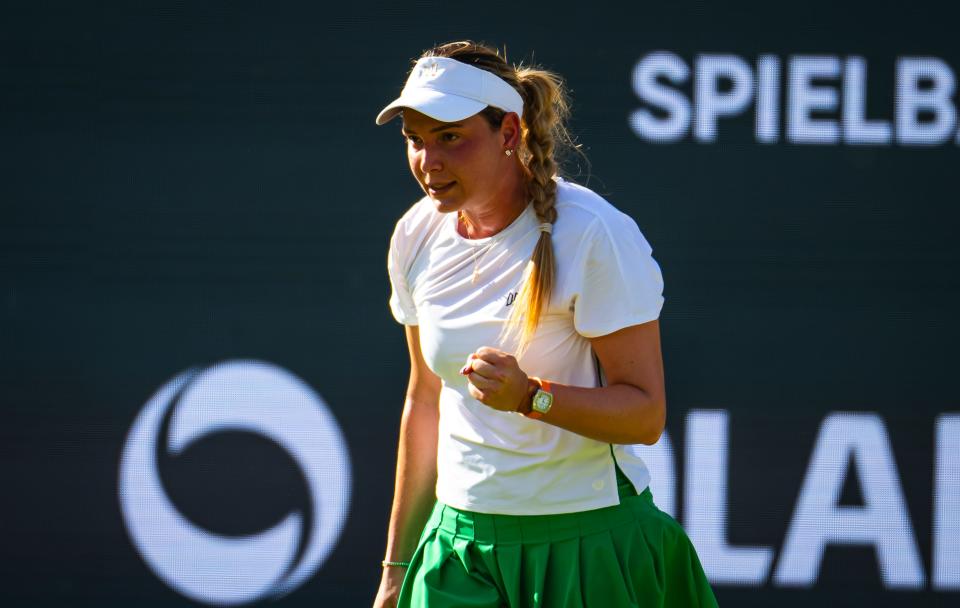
650,428
652,436
644,420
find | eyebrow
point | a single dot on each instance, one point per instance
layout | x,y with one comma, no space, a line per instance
442,127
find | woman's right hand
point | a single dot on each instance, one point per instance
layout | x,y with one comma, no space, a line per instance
389,589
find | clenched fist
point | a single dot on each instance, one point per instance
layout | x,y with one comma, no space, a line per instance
495,379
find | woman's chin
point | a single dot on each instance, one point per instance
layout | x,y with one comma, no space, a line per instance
445,204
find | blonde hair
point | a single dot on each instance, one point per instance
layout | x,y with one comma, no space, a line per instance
544,134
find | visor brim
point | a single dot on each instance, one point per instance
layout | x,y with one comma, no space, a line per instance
444,107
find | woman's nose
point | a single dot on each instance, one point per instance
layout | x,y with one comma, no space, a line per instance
430,160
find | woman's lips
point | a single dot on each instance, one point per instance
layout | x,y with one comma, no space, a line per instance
435,189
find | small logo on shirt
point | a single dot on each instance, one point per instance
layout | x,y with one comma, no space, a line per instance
511,297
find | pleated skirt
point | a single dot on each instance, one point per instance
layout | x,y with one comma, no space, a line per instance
628,555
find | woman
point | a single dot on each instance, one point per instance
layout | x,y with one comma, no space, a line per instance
530,307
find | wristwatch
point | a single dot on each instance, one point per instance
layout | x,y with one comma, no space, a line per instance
541,401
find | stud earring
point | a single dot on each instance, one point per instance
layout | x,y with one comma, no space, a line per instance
508,152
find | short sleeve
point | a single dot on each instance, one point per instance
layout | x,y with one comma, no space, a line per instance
618,283
401,300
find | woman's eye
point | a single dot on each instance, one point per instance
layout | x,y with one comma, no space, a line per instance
413,139
450,137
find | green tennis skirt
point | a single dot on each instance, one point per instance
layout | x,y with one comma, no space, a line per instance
631,554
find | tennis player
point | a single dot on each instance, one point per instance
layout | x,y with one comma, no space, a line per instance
531,310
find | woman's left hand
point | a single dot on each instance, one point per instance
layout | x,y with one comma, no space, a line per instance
495,379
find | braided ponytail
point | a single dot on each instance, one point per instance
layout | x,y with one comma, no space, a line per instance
545,110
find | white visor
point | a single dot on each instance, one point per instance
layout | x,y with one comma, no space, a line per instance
447,90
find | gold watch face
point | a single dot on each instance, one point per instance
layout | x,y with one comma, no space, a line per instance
542,401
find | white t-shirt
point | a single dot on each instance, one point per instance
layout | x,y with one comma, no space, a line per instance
501,462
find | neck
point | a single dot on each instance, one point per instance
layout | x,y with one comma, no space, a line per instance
487,220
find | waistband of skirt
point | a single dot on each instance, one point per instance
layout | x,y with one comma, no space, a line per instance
501,529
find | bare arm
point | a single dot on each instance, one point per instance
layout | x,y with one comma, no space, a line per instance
630,409
415,488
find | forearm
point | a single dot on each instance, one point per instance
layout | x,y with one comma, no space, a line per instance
416,478
619,413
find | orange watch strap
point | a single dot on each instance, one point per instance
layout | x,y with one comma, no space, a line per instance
544,386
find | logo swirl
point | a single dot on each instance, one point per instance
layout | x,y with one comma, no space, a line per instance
255,397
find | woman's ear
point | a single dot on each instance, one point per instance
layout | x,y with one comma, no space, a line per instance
510,131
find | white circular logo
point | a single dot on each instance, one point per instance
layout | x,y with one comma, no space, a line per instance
251,396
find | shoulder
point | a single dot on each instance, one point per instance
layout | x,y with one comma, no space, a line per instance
421,217
584,216
414,229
